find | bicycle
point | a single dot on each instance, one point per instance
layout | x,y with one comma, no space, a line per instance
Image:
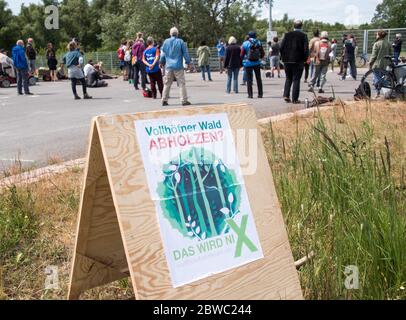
391,81
360,60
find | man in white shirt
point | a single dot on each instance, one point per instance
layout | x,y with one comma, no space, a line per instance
89,67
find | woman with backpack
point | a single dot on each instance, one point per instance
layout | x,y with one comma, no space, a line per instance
252,53
322,50
203,53
121,55
128,61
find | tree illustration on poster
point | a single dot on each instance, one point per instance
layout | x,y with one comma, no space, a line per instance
200,193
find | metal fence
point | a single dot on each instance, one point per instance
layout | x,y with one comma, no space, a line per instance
365,40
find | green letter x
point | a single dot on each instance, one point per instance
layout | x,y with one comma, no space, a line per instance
242,237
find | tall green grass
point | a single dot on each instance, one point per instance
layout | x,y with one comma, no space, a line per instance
18,224
343,199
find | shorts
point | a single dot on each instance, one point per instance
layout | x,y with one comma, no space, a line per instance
122,64
275,61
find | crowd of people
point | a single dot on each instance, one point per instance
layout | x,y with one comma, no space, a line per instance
160,64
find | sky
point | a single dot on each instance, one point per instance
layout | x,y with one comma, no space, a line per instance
349,12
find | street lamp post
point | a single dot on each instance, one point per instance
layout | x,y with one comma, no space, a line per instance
270,14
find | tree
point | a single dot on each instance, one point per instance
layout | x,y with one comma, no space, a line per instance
390,14
8,27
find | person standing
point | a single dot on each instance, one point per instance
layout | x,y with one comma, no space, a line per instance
397,48
252,53
321,61
221,50
316,38
32,56
51,61
333,54
120,55
343,39
128,61
275,57
380,50
294,52
203,54
233,64
349,58
21,64
151,61
173,52
139,67
75,73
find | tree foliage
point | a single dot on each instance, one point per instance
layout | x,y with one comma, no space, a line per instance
102,24
390,14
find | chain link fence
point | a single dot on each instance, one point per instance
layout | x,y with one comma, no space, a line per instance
365,40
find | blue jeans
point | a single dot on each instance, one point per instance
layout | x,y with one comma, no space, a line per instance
244,76
204,69
232,76
396,56
22,81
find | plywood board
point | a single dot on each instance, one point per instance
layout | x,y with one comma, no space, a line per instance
118,225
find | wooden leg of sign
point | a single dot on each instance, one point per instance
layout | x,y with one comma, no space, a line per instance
99,256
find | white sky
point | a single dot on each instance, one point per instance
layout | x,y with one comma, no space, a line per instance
349,12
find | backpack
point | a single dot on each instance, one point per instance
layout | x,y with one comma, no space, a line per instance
255,53
127,56
147,93
120,54
363,92
323,50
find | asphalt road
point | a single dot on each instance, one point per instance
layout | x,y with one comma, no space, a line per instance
51,124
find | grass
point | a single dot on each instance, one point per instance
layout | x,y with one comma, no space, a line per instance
37,229
340,177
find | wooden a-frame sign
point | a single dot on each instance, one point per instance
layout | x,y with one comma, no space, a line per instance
118,235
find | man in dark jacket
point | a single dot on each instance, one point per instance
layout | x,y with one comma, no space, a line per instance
21,65
32,56
397,47
232,63
294,52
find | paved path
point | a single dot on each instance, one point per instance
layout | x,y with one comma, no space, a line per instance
51,124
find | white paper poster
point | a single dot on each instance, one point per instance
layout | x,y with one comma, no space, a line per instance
195,179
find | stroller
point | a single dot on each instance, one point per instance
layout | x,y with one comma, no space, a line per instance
8,75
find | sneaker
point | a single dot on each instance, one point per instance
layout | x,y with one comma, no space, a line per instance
165,103
187,103
77,97
87,97
321,91
287,100
20,94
